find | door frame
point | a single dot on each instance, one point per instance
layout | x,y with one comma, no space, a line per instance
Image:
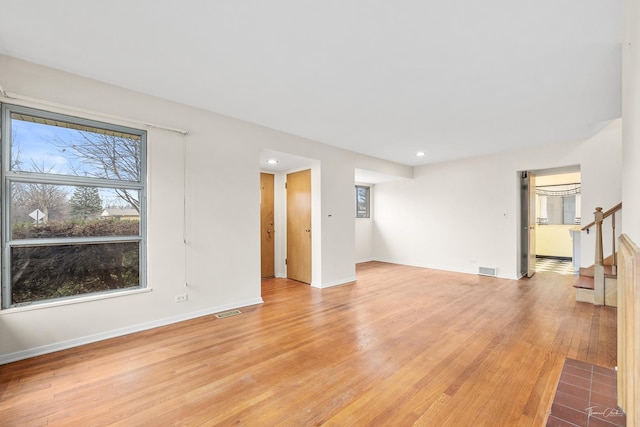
523,225
280,214
523,241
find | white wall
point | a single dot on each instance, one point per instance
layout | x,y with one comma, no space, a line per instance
631,119
463,214
221,259
364,240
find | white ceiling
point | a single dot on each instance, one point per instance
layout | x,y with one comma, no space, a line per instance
453,78
285,162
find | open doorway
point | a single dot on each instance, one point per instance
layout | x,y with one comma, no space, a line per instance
282,167
550,210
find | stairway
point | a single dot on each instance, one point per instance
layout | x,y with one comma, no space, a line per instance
598,284
585,284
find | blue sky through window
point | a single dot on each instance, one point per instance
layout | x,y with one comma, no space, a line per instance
44,148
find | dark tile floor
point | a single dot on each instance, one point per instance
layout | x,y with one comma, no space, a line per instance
586,397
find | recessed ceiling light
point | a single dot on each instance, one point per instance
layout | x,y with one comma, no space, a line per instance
272,161
421,154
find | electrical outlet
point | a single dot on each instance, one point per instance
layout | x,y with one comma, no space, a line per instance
181,298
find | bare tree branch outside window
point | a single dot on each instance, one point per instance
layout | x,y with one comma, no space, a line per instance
109,157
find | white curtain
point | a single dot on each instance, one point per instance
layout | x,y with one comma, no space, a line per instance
542,213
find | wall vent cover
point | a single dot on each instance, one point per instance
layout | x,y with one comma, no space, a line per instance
488,271
228,314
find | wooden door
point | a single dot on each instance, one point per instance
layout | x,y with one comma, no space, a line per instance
531,224
266,225
299,226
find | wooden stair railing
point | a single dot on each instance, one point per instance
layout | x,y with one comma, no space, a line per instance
608,213
599,268
628,331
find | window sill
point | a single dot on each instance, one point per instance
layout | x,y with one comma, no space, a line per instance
78,300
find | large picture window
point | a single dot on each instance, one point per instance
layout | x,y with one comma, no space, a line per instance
73,207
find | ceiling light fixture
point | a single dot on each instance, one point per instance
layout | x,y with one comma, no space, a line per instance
421,154
272,161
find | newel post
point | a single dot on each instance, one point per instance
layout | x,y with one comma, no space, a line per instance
599,217
598,268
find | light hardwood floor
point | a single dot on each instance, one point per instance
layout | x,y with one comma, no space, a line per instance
401,346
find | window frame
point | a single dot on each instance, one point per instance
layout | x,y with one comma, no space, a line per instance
367,213
9,177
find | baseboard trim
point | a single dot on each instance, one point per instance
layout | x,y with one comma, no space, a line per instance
76,342
336,283
438,267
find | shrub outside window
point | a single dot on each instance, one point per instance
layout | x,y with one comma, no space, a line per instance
73,207
363,202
